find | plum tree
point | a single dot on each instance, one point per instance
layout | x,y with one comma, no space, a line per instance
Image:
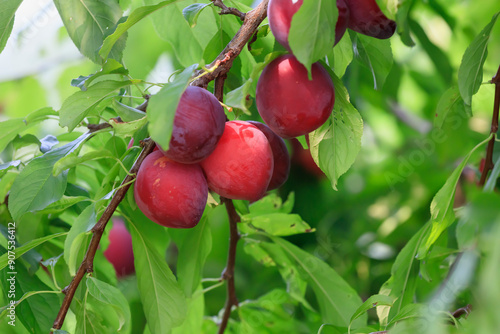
119,252
366,17
281,157
290,103
241,165
170,193
198,126
280,14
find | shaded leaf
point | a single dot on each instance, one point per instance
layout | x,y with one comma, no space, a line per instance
376,54
470,73
336,144
450,103
36,187
312,29
88,22
193,11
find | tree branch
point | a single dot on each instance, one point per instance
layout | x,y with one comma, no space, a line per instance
488,165
87,264
228,273
228,10
225,59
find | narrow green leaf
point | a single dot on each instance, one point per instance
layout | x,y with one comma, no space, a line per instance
442,215
9,129
76,107
84,223
162,298
492,179
376,54
35,187
72,160
450,103
4,259
63,204
8,10
371,302
162,107
312,31
137,15
279,224
470,73
336,298
88,22
193,251
111,66
411,311
336,144
36,313
402,18
128,128
401,284
127,113
193,11
108,294
238,98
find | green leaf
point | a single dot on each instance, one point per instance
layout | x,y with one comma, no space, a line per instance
376,54
35,187
402,21
336,144
162,298
238,98
127,113
187,43
8,10
193,251
36,313
137,15
279,224
442,215
312,31
63,204
336,298
4,168
88,22
493,177
88,319
195,315
193,11
128,128
76,107
411,311
470,73
84,223
11,128
371,302
401,284
108,294
4,260
72,160
111,66
450,103
162,107
341,56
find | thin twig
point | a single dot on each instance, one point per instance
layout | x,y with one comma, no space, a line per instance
225,59
488,165
87,264
228,273
228,10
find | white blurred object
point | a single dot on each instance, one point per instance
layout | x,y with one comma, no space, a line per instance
34,46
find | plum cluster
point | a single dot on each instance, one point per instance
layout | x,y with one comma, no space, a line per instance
288,102
245,159
236,159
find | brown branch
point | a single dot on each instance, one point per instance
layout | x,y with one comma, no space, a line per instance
87,264
488,165
466,310
228,10
228,273
225,59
